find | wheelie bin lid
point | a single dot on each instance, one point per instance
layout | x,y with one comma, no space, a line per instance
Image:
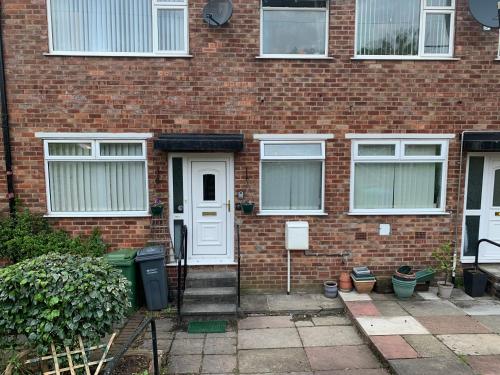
123,257
150,253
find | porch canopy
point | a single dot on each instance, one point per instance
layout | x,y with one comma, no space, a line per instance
481,141
199,142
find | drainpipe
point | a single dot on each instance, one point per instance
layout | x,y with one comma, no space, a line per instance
5,129
457,214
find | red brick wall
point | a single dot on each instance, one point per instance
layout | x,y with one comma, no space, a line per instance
224,88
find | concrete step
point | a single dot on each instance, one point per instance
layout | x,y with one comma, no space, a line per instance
211,279
210,295
205,311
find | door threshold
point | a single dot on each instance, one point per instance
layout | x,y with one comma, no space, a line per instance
206,263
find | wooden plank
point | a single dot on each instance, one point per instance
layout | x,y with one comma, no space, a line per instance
54,356
76,367
76,351
70,361
84,356
104,354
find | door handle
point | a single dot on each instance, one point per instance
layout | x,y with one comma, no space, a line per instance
228,205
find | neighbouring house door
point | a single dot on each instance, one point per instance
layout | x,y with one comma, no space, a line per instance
482,208
490,227
209,207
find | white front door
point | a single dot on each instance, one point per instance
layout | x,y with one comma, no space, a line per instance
209,208
201,190
490,220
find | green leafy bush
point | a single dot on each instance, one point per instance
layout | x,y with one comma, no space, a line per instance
29,235
55,298
444,259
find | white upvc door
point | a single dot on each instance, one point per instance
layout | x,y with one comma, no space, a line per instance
207,186
490,220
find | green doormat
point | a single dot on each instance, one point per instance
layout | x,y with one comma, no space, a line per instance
209,326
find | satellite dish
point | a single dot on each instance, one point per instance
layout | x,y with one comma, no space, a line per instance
486,12
217,12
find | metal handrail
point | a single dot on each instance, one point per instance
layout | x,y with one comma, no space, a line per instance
239,264
476,261
181,272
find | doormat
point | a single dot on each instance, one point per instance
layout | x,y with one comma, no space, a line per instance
209,326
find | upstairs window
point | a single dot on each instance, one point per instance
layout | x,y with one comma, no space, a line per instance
398,176
118,27
410,28
294,28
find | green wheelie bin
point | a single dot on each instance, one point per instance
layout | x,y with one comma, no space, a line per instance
124,259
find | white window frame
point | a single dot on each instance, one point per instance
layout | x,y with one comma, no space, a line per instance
292,55
400,157
293,139
156,5
424,11
95,141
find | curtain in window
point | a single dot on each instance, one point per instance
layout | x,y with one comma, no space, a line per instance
291,185
397,185
171,30
89,186
437,33
102,25
388,27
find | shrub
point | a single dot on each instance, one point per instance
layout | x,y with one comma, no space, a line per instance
444,258
55,298
29,235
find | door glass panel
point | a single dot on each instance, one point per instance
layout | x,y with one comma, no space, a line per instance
178,185
208,187
475,182
471,235
496,189
178,224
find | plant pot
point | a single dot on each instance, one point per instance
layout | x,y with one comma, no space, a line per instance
383,285
475,282
345,282
364,286
403,289
330,289
405,276
247,208
444,290
156,210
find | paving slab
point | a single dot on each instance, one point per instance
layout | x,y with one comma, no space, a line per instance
431,308
484,365
383,297
304,323
185,335
428,296
273,360
294,303
220,345
226,334
341,358
442,325
392,325
218,364
339,320
354,296
490,321
472,344
362,308
255,322
459,295
187,346
393,347
430,366
479,307
389,308
353,372
254,303
184,364
269,338
329,336
428,346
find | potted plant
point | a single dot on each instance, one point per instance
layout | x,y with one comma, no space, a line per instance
247,207
444,257
157,207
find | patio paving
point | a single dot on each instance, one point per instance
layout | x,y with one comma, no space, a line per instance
429,335
290,304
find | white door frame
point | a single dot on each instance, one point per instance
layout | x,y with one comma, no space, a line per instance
187,215
484,211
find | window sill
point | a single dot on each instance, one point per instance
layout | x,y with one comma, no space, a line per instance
291,213
111,54
76,215
293,57
399,213
406,58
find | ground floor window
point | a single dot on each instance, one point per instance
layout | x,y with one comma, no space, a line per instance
88,177
396,176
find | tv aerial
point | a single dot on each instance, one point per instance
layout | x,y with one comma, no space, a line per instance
486,12
217,12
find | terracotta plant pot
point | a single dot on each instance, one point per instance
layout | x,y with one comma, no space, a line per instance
345,282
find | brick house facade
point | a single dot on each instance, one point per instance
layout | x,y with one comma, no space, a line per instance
222,87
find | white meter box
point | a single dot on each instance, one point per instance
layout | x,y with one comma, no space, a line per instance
297,235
